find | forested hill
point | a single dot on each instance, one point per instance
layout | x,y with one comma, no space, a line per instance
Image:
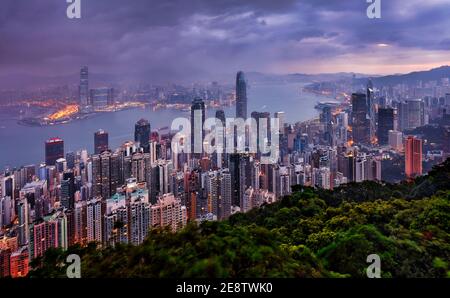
312,233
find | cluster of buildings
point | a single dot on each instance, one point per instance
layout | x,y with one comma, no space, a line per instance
118,195
95,98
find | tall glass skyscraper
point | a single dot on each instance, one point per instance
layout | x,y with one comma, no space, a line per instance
100,141
361,123
142,132
84,86
197,114
385,124
241,96
54,150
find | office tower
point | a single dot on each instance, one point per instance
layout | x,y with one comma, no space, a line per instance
262,135
326,119
281,116
220,157
68,190
385,124
197,120
241,96
361,124
107,173
142,132
7,186
395,140
240,171
411,114
70,159
413,157
168,212
371,110
84,87
54,150
348,166
6,211
220,114
19,262
100,141
94,220
101,97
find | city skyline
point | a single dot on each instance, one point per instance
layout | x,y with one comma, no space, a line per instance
185,138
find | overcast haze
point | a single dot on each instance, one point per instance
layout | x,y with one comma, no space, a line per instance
175,39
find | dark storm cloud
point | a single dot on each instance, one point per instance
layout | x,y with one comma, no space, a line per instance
172,39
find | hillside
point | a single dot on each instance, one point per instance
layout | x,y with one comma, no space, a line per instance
434,74
312,233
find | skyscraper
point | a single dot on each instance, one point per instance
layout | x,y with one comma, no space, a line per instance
281,116
361,124
371,109
197,121
84,87
100,141
54,150
241,96
142,132
385,123
326,118
259,116
411,114
68,190
413,157
220,157
106,174
101,97
395,140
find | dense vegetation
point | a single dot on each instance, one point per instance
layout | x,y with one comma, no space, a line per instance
312,233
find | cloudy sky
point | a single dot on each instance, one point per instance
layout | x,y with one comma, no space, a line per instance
175,39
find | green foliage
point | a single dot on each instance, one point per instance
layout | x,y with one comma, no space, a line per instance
311,233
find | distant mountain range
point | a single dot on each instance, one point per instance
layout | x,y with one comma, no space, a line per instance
434,74
301,77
